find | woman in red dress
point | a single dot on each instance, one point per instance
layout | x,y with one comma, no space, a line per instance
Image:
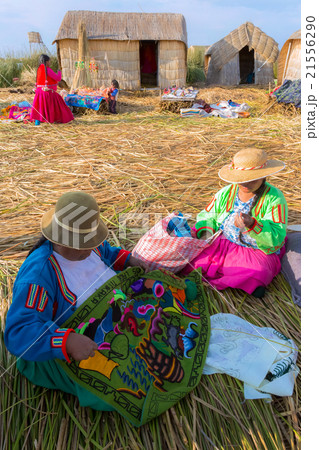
48,105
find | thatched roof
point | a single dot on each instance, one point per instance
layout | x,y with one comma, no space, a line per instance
247,34
124,26
294,57
295,35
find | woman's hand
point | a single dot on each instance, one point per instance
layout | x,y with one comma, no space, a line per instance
243,220
80,347
135,262
205,235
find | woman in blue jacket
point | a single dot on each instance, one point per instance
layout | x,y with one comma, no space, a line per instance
70,262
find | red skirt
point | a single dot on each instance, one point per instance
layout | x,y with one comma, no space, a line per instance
49,106
225,264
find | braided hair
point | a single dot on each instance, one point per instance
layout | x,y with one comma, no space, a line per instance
116,84
38,244
43,59
258,195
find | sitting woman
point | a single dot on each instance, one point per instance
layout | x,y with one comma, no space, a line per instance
48,105
131,342
68,264
252,216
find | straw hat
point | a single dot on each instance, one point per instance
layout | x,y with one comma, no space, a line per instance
248,165
74,222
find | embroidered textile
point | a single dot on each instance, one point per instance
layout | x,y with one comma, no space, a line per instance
87,101
152,331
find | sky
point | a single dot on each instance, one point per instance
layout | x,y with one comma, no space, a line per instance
207,21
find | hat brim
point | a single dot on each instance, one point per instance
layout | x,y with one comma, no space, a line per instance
78,241
243,176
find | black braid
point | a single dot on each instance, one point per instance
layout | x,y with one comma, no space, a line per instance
258,195
42,60
116,84
38,244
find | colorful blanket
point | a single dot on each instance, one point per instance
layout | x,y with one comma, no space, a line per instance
152,331
289,92
87,101
16,112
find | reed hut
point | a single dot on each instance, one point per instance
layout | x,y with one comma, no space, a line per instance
246,55
289,60
137,49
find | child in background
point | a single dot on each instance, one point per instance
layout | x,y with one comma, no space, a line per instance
113,93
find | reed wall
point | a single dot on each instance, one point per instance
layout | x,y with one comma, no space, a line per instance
120,60
228,75
293,58
264,71
171,63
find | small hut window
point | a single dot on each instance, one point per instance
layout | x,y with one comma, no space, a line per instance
247,65
148,63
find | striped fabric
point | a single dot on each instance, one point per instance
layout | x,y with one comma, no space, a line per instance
36,296
43,300
67,294
261,201
231,198
191,112
162,251
211,204
279,214
56,342
32,296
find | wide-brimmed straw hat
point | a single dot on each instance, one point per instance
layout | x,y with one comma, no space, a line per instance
74,222
250,164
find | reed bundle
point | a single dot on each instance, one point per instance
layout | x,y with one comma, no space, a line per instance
82,74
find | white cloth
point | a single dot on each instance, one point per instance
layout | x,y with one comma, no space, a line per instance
222,109
251,354
84,277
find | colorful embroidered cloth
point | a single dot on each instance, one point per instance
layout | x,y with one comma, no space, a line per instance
152,331
87,101
16,112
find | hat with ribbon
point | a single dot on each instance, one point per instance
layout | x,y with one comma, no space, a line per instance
250,164
74,222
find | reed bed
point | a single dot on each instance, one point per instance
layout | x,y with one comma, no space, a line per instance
146,161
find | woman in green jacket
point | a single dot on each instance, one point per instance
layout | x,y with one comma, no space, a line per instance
252,216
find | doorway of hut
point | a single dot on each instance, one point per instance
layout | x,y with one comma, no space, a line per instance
247,65
148,63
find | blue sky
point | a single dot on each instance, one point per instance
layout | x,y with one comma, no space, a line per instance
207,20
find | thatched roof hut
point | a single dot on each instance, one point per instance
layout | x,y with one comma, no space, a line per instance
134,48
246,55
289,60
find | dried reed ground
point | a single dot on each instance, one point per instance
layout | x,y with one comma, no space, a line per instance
145,160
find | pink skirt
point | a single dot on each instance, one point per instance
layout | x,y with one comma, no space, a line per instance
49,106
225,264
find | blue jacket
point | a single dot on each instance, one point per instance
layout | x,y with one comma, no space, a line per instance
42,302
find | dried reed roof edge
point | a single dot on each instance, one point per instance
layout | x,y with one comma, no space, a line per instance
282,58
133,26
246,34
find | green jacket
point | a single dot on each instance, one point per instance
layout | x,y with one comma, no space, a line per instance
270,214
